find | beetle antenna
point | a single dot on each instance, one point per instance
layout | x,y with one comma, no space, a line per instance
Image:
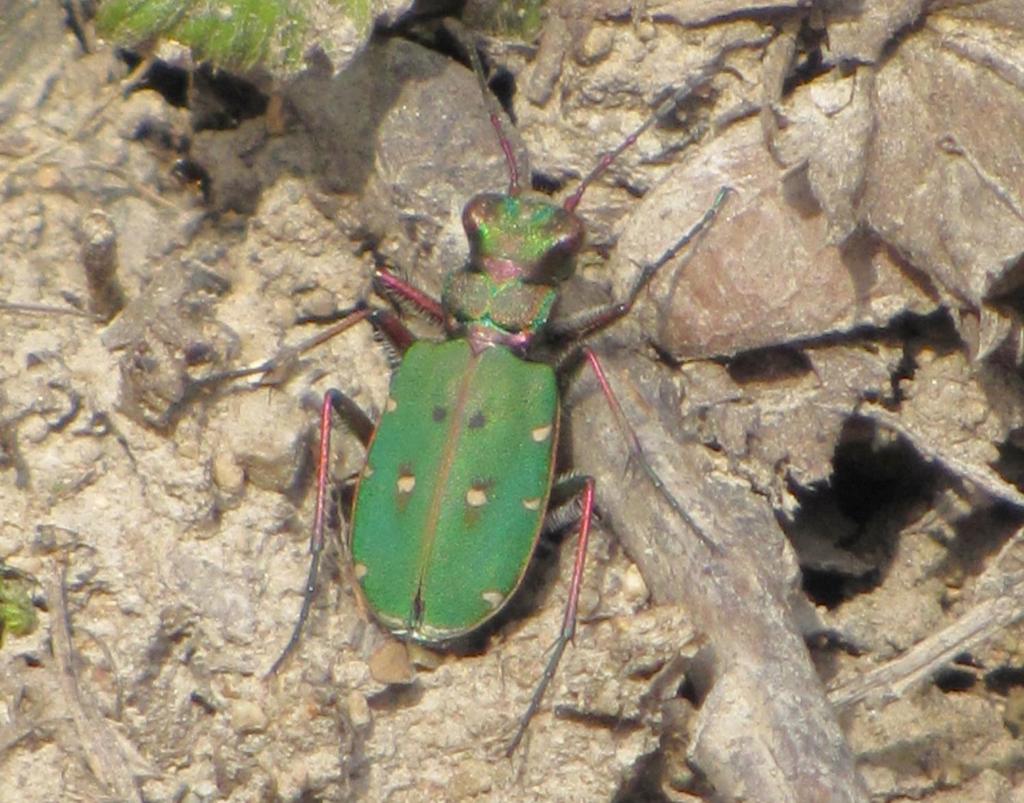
495,114
606,160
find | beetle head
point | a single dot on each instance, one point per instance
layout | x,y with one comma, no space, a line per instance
515,236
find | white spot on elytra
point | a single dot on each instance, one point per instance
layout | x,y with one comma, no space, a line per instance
541,434
390,405
406,482
532,503
476,497
493,598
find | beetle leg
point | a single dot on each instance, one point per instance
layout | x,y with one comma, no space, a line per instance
563,503
397,335
585,487
276,369
636,452
588,322
334,402
394,287
383,321
352,415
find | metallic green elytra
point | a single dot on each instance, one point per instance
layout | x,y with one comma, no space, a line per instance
452,498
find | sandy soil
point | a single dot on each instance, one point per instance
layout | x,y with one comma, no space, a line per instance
820,600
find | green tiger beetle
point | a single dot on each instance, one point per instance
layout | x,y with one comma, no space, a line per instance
459,474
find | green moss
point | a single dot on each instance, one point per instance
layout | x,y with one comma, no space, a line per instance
234,34
360,12
17,616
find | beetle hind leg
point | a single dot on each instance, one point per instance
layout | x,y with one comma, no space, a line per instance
565,505
570,487
362,426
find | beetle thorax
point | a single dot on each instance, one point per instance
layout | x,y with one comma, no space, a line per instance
511,309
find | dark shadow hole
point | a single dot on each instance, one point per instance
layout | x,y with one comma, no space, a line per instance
1004,679
396,696
224,99
769,365
870,476
951,680
1010,463
809,63
541,182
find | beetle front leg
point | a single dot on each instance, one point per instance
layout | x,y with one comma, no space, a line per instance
275,370
362,426
569,487
396,288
